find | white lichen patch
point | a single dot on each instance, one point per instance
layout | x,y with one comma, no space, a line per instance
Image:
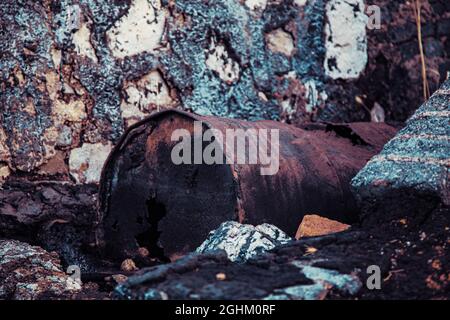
82,41
280,41
73,111
287,107
56,57
346,39
4,173
145,95
300,3
256,4
314,97
141,29
219,60
4,150
52,84
50,136
86,163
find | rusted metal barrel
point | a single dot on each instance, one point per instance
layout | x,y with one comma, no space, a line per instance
146,200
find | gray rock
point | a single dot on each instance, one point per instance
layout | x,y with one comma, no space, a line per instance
243,241
411,174
28,272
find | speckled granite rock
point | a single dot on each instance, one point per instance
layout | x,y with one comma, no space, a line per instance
243,241
411,174
28,273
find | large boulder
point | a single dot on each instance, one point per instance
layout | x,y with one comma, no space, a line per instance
410,177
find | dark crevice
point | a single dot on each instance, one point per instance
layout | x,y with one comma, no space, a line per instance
347,132
150,237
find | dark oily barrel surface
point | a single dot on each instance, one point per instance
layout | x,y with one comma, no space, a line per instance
148,201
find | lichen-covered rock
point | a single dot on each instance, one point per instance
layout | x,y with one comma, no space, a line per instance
243,241
323,281
28,273
411,175
74,72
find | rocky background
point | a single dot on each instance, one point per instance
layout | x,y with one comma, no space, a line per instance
75,74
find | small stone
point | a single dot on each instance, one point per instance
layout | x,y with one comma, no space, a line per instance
377,113
221,276
219,60
4,173
119,278
310,250
82,42
128,265
315,225
143,252
256,4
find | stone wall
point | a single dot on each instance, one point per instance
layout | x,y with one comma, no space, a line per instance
75,73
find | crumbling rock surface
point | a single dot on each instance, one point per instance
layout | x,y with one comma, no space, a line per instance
412,259
255,280
30,273
411,175
74,74
57,216
243,241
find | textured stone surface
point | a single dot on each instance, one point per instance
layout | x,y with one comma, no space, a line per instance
86,163
243,241
58,217
28,273
346,40
411,257
295,280
76,72
411,174
140,30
